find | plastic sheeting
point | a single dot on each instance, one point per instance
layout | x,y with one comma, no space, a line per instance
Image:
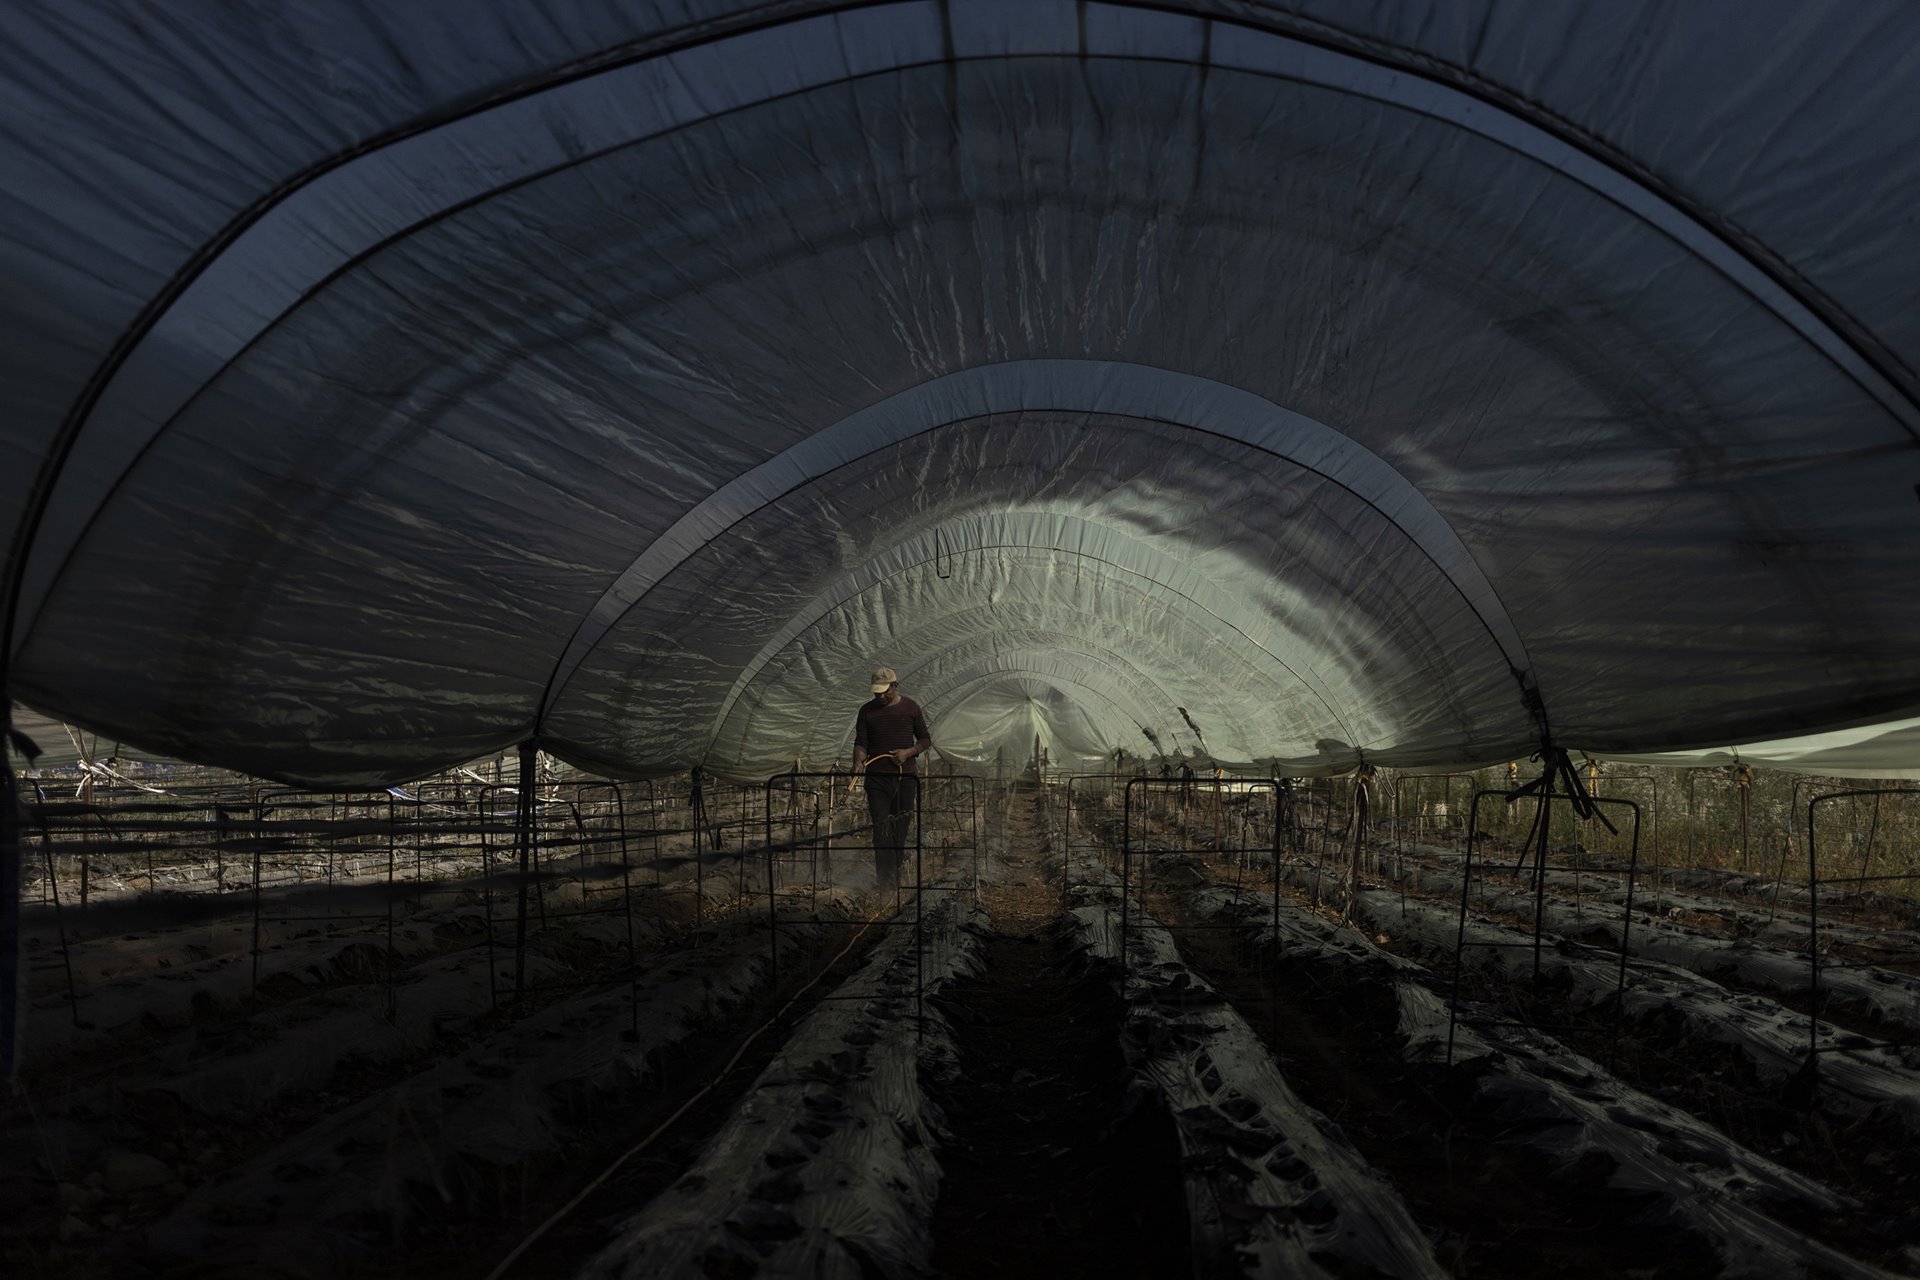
62,746
1872,751
1409,385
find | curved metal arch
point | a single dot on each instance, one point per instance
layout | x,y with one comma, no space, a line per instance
1012,664
1071,386
1051,681
1141,687
737,694
927,546
1027,642
722,764
387,189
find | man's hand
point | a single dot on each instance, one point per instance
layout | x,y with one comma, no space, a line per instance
902,754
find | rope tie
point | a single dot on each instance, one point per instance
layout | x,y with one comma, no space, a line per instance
1362,806
1558,766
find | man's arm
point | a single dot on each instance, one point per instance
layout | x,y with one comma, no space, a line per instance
859,743
922,739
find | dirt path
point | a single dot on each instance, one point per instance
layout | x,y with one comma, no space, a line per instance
1047,1171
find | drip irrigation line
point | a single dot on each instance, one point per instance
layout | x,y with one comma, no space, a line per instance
561,1214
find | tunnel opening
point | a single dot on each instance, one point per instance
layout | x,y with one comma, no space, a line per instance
1382,544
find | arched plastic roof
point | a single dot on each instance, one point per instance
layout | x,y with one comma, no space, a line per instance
1410,383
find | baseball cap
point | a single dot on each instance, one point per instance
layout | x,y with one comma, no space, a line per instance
882,677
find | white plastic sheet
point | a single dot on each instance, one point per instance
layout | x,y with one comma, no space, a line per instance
1407,385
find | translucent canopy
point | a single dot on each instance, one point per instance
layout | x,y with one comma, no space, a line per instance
1415,384
61,746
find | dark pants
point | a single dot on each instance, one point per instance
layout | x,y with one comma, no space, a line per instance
890,799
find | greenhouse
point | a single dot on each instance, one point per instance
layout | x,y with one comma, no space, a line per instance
960,637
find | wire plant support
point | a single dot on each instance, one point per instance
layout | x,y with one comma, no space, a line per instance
1183,789
1816,964
805,848
1557,780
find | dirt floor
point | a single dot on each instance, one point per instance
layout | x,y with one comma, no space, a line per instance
1336,1053
1053,1159
1050,1169
1493,1209
640,1149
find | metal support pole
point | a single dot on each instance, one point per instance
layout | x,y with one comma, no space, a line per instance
1146,854
1282,812
1126,873
1693,822
1653,786
1406,841
59,924
1813,945
697,819
392,993
818,838
1745,777
487,795
773,910
653,824
919,921
1813,910
1319,864
523,842
1626,929
973,792
1066,851
13,884
530,811
1360,802
814,841
256,909
1540,866
1066,841
626,901
1866,850
768,828
1460,938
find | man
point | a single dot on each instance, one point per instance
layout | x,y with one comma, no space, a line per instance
887,734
